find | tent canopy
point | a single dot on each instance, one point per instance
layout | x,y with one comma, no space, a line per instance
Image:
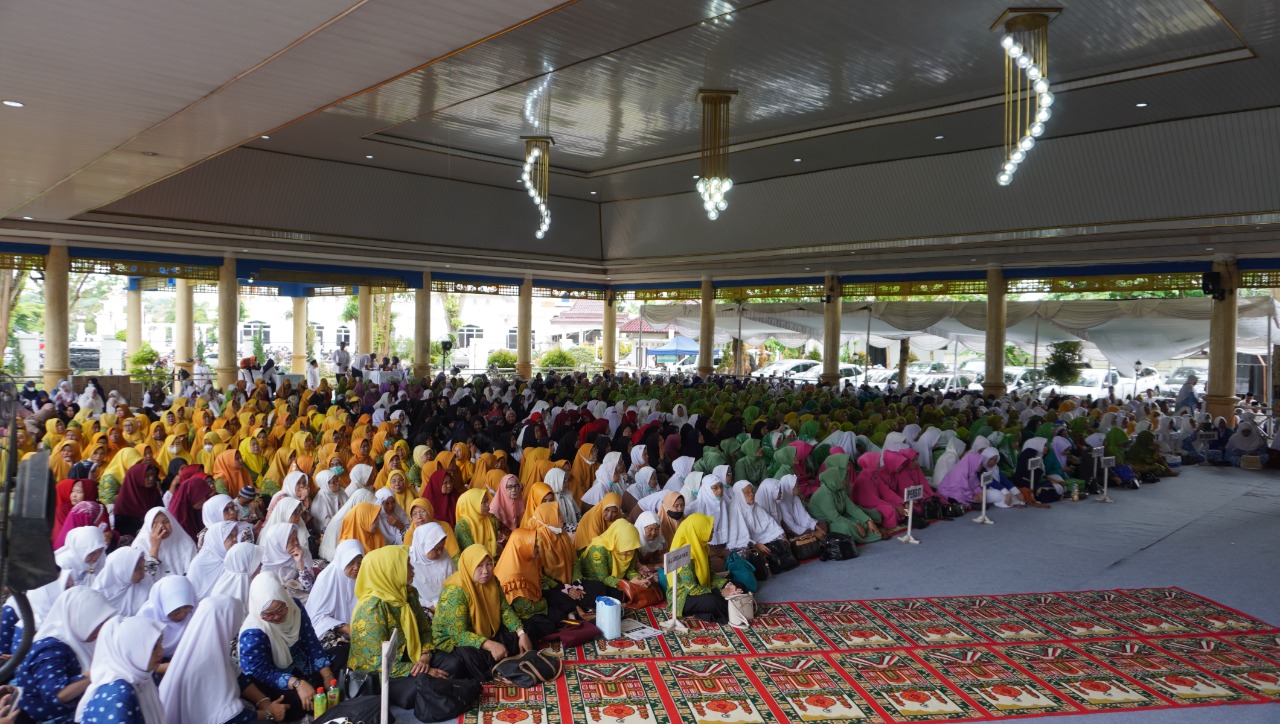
677,345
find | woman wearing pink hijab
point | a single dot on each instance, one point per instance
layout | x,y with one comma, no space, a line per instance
508,503
899,471
870,491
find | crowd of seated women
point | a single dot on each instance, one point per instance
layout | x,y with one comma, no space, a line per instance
226,559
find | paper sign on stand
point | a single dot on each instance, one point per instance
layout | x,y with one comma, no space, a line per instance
1203,440
1108,462
672,563
909,496
982,519
390,648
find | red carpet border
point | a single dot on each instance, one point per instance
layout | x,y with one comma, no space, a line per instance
970,658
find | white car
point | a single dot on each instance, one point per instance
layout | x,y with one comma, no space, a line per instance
1090,383
813,374
875,378
1178,378
944,382
1016,380
787,368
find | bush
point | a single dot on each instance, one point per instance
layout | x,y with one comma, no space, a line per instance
583,355
815,354
1064,362
143,362
501,359
122,336
557,358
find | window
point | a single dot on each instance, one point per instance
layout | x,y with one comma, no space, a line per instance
469,334
513,338
342,334
250,329
318,330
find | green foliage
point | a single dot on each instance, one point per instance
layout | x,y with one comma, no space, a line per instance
311,342
557,358
143,362
625,349
200,349
583,355
352,309
258,350
1064,362
1014,357
502,359
849,356
814,354
122,336
18,367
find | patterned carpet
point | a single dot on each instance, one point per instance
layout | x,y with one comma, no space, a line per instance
928,659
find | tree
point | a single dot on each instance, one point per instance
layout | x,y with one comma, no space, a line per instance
1015,357
501,359
259,350
452,304
557,358
142,363
1064,362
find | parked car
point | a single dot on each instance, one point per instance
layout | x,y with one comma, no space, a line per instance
787,368
875,378
1016,380
81,357
1089,383
814,373
689,363
944,382
1178,378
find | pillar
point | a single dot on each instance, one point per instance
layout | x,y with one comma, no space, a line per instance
707,329
524,330
1221,388
904,359
298,360
228,323
133,321
422,328
57,322
610,332
184,327
739,357
997,315
364,320
831,333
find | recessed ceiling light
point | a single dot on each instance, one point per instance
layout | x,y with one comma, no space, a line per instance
853,252
368,156
695,175
593,193
796,160
974,259
14,104
1208,248
938,138
246,251
26,218
150,153
265,137
806,268
1142,105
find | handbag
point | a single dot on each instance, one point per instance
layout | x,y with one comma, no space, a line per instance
741,572
780,556
806,547
761,563
575,636
443,699
742,609
360,710
838,547
529,670
638,596
933,509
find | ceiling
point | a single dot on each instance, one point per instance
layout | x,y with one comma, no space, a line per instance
317,127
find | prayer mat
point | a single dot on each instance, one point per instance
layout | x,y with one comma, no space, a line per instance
966,658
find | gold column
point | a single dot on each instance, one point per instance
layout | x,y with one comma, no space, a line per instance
184,328
364,320
1221,388
831,333
739,357
997,318
422,328
707,329
904,359
299,358
228,323
57,321
133,323
610,331
524,330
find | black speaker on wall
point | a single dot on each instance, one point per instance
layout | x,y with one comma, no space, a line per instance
1211,285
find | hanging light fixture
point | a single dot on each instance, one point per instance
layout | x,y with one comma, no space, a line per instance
536,177
715,183
1027,96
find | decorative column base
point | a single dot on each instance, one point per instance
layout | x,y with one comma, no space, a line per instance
1220,405
53,377
524,369
993,390
226,376
829,379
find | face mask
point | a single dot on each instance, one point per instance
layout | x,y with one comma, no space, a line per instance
337,469
386,443
173,449
675,514
208,448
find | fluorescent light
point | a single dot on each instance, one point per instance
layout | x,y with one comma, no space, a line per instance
14,104
368,156
593,193
265,137
26,218
938,138
1142,105
796,160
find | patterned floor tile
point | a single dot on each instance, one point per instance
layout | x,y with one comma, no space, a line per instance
904,687
1086,682
851,626
809,689
1240,667
1001,689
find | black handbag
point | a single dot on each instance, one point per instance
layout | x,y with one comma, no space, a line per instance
838,547
780,557
806,547
760,561
360,710
529,669
443,699
952,509
933,508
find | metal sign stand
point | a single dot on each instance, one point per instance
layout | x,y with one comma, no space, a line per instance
982,519
673,562
1202,441
1107,463
909,496
1033,465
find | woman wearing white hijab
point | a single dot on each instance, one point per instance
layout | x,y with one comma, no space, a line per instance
569,511
219,508
124,581
333,600
639,459
643,486
81,553
200,686
207,565
429,573
795,517
947,460
64,644
290,511
176,548
359,477
239,567
608,480
279,650
170,603
680,467
123,690
282,555
761,527
924,446
333,531
728,532
652,544
329,500
393,521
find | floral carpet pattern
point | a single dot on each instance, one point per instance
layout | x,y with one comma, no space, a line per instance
971,658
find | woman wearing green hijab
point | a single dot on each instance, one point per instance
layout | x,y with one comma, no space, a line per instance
830,503
784,462
711,459
751,465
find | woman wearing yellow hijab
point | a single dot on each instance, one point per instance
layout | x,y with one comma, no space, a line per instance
699,592
420,514
255,463
400,490
385,601
421,456
475,525
473,612
583,473
611,556
481,470
540,493
175,448
65,454
597,520
113,476
213,445
54,432
391,463
529,465
462,457
279,466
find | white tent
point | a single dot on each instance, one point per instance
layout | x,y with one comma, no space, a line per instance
1121,331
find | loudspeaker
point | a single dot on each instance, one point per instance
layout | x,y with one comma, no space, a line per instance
446,345
30,563
1211,285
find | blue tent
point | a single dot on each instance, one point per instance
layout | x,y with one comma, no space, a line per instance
677,346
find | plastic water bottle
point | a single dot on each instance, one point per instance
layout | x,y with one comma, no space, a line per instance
332,693
1075,492
319,704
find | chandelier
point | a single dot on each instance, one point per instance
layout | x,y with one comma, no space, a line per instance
714,182
1027,97
537,177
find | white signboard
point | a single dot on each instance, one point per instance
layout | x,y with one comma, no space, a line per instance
1035,464
986,479
676,559
389,650
1109,461
915,492
1206,436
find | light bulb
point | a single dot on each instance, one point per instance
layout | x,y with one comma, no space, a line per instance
528,167
1043,115
1027,143
1007,41
708,205
1041,85
1037,129
713,214
1004,178
540,233
1017,155
542,207
1010,166
721,205
532,193
535,152
1024,61
728,184
1033,72
1014,50
1046,99
702,185
537,200
717,196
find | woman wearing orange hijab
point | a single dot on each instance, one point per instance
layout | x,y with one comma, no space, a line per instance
519,570
462,458
229,474
529,461
534,496
481,470
360,454
569,593
583,473
361,524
